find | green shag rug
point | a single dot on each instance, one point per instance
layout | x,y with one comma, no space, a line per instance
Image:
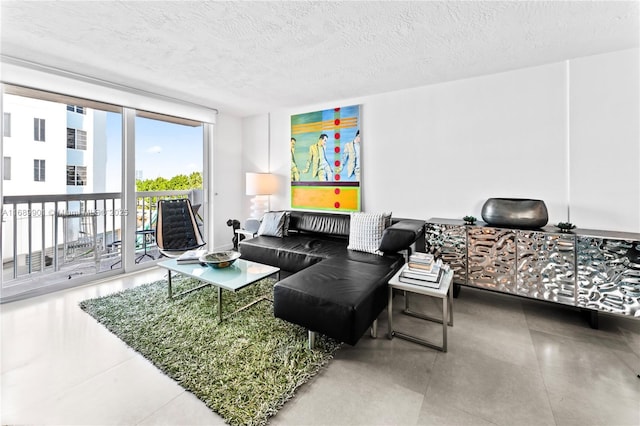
244,368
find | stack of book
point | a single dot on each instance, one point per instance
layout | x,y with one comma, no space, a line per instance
422,269
191,256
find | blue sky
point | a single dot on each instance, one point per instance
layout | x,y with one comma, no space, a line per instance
162,149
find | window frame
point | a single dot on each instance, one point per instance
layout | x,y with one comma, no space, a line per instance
76,108
39,170
128,114
6,124
78,175
79,140
6,171
39,129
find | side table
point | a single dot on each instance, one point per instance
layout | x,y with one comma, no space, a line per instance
147,234
247,234
238,238
443,292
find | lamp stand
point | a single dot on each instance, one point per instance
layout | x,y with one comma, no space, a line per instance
259,206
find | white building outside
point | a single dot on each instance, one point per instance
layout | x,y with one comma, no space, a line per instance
48,148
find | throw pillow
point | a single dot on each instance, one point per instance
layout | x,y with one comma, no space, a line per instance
287,221
272,224
365,231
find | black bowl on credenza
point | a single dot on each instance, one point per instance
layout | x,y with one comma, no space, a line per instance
515,212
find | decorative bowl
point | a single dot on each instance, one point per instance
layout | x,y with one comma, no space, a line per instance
515,212
220,259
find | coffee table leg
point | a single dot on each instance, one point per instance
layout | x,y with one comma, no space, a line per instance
390,314
170,291
220,303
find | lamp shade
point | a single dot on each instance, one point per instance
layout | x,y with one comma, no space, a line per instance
261,184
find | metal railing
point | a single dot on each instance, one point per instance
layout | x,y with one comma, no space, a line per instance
37,229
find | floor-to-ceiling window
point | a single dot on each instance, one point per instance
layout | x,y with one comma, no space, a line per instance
63,215
57,221
168,164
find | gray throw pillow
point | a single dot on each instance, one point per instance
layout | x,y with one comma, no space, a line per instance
272,224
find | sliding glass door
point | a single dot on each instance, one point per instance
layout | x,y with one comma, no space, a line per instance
168,164
62,159
67,214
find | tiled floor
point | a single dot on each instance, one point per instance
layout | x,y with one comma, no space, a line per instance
67,275
511,361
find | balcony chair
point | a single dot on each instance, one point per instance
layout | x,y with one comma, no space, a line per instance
176,228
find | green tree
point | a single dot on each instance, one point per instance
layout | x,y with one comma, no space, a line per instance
178,182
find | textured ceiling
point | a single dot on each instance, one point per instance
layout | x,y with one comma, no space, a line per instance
245,58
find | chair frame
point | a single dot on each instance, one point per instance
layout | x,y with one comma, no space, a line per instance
160,240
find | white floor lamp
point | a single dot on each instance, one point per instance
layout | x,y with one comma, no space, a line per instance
261,186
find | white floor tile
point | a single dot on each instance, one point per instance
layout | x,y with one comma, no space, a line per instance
510,361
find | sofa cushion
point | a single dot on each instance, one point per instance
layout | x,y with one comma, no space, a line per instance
401,235
260,249
337,297
366,231
272,224
293,253
301,251
393,260
320,223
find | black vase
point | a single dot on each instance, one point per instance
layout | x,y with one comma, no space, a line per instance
515,212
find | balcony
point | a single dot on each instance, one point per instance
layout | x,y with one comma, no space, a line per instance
71,239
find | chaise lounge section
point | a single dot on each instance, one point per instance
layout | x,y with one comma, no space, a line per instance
330,288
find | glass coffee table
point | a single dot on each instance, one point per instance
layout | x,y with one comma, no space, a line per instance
239,275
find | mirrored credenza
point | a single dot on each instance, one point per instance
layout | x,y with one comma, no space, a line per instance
598,271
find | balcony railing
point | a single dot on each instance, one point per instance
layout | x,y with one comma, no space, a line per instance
52,237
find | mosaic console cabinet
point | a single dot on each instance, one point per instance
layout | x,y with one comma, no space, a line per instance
598,271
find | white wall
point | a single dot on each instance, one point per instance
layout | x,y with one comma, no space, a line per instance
228,183
255,154
605,141
543,132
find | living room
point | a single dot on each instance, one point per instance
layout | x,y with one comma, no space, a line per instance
561,124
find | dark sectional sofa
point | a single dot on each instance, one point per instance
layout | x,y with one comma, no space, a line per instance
328,288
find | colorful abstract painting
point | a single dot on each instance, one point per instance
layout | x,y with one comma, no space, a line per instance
325,160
